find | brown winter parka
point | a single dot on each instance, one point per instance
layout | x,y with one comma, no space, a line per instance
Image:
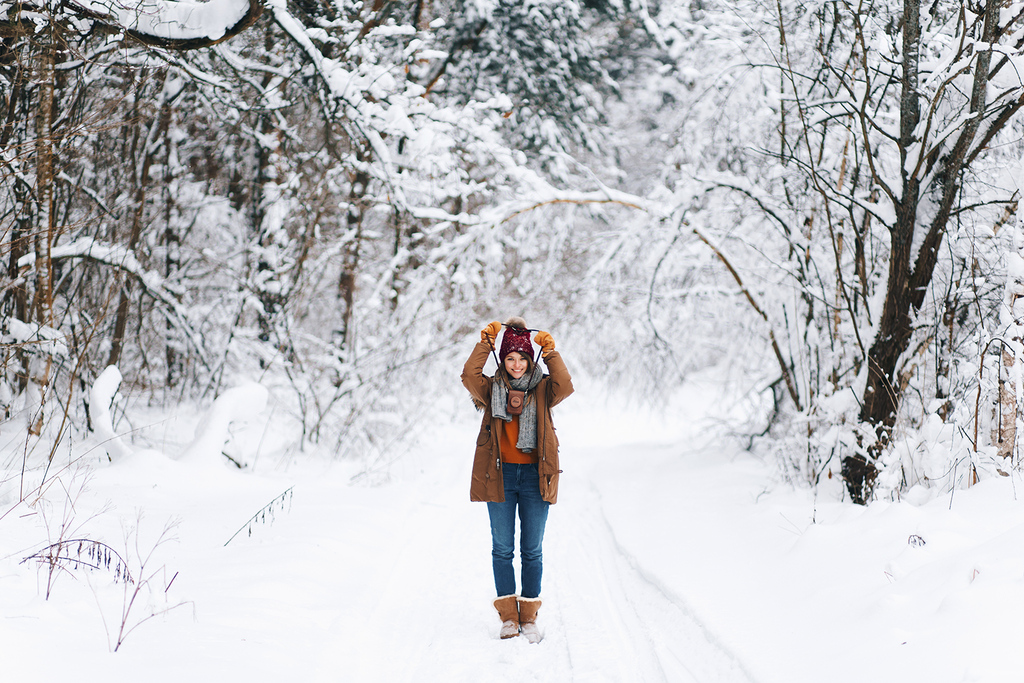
487,484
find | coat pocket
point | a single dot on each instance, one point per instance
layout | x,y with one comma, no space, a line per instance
484,437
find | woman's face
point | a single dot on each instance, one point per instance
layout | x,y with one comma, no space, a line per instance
515,364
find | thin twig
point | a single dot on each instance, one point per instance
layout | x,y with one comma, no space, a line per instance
750,298
269,507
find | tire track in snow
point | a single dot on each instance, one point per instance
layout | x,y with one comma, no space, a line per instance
423,612
389,630
620,625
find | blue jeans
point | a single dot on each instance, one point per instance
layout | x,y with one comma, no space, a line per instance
522,490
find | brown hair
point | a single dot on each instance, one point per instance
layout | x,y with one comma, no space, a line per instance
501,374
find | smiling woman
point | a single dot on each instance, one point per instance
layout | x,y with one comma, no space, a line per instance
515,468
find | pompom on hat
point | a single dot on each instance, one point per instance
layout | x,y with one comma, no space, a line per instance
516,338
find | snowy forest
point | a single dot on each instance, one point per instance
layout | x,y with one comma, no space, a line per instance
815,205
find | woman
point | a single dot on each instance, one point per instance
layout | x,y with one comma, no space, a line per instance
516,462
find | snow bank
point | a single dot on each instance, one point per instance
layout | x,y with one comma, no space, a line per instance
101,396
236,404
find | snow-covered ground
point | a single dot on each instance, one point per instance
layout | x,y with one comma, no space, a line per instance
672,555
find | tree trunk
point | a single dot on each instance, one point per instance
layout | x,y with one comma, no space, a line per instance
21,242
1004,426
267,278
148,151
878,407
359,182
172,264
906,289
41,364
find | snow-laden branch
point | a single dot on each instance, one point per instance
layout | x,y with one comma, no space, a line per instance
341,83
172,24
620,198
34,337
505,212
238,403
783,365
124,260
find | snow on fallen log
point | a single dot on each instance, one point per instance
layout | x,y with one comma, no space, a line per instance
101,396
239,403
172,23
33,338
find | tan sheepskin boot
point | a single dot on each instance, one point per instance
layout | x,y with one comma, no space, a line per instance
508,611
528,608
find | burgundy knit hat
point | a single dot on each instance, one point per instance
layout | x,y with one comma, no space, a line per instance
516,338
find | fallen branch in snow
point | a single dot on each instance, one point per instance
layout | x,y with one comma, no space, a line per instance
237,403
268,509
80,553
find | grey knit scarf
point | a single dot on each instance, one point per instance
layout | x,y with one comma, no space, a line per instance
527,441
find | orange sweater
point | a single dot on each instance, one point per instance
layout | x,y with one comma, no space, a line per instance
507,445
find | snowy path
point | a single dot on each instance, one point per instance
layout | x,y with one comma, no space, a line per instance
618,623
423,605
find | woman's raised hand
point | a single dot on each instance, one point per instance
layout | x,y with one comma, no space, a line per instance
545,342
490,333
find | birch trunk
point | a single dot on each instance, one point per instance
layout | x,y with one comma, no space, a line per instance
41,363
1004,423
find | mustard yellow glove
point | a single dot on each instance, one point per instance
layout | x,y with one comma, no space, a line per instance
545,342
490,333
